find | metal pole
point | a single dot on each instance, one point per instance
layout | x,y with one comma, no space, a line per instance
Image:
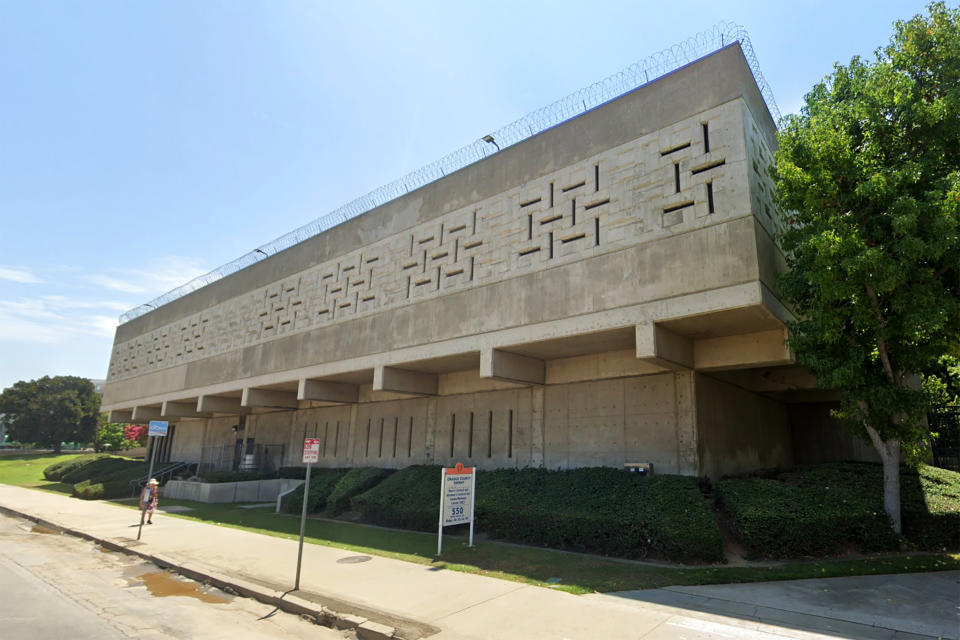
152,440
473,502
303,524
443,479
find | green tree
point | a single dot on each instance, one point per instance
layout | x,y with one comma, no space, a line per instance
50,411
869,177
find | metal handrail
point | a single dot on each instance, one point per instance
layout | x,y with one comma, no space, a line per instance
138,483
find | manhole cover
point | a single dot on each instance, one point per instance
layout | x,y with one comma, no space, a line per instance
353,559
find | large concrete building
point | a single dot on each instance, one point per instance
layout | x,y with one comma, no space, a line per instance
602,293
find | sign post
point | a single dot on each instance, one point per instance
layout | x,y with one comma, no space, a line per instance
157,429
311,454
457,496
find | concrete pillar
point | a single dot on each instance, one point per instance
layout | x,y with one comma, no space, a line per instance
405,381
326,391
664,348
512,367
269,398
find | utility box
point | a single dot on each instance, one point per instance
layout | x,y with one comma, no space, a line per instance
643,468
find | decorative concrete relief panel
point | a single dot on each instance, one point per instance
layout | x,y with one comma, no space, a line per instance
670,181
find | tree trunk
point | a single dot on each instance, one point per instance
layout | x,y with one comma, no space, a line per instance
889,451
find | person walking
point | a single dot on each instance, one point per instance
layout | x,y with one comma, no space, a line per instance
150,498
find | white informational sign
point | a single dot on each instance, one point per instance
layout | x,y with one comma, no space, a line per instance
311,450
158,428
457,492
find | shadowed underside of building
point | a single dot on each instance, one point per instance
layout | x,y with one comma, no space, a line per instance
601,293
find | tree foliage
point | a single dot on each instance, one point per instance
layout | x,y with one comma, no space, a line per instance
869,177
51,410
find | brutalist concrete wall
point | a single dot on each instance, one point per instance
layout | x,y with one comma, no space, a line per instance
819,438
623,205
739,431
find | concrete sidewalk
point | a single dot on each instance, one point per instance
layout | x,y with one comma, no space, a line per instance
391,597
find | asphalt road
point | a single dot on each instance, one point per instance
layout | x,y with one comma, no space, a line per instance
55,586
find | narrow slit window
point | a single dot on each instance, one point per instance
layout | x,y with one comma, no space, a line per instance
706,138
530,227
709,196
573,212
410,438
596,232
326,428
490,435
551,244
336,440
396,425
366,452
676,177
596,177
471,267
551,195
470,438
453,431
380,448
510,435
438,278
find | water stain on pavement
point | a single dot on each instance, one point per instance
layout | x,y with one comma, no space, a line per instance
162,584
39,528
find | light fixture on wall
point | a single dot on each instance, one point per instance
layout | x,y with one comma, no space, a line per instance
489,139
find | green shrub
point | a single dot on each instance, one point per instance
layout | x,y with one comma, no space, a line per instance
216,477
56,471
597,510
408,499
87,490
322,482
297,473
353,483
826,509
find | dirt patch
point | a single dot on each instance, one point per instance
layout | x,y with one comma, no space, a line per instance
162,584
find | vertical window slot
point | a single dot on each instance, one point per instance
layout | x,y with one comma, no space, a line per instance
473,225
326,428
470,440
380,448
676,176
438,278
471,267
596,232
366,452
336,440
410,438
551,244
551,195
573,212
529,226
709,196
453,431
596,177
510,435
706,138
490,435
396,424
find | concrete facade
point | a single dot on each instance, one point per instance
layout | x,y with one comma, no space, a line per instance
599,294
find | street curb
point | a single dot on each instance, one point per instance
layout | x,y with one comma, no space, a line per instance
364,628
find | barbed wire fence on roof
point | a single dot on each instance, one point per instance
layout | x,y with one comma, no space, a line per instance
575,104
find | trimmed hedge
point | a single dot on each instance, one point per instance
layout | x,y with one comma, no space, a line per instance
292,472
353,483
55,472
322,482
830,508
597,510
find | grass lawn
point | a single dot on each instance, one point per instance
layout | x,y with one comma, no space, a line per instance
27,471
578,573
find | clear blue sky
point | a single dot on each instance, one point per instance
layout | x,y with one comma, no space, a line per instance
145,143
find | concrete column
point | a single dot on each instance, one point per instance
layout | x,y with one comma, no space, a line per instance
405,381
688,454
512,367
537,427
659,346
326,391
269,398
